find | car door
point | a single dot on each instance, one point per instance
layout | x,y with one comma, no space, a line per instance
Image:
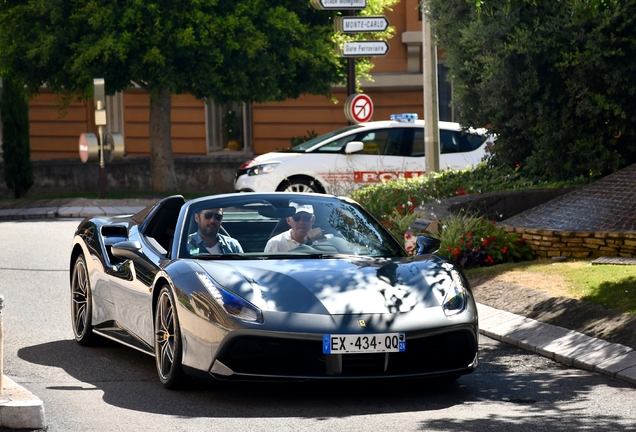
132,285
382,157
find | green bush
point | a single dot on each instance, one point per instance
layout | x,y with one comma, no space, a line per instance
554,80
14,112
381,199
472,241
394,203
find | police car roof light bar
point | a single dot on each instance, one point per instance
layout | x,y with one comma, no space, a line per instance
406,117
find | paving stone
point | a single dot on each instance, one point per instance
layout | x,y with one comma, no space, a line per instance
612,366
628,375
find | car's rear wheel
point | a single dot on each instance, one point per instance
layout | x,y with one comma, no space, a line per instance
81,303
168,341
300,184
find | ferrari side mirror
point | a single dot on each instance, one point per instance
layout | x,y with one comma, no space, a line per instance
127,250
427,245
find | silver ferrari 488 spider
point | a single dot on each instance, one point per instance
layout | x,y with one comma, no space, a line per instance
277,286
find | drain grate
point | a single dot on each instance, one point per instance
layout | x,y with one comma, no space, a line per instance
615,261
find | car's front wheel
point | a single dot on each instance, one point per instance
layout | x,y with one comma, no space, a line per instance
81,303
300,184
168,341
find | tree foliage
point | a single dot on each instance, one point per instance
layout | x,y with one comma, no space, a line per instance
14,112
229,50
553,79
226,50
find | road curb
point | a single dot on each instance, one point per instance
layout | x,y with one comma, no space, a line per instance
19,408
68,212
559,344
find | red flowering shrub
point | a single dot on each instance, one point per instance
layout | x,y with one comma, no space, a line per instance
471,241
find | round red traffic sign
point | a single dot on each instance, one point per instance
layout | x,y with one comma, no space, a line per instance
88,147
358,108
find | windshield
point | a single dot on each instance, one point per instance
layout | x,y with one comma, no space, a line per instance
323,138
282,225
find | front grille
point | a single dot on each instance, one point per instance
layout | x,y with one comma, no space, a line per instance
301,358
438,353
270,356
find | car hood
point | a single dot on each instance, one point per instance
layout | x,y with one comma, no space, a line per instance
335,286
275,157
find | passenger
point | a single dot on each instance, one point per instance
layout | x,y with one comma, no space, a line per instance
207,238
300,233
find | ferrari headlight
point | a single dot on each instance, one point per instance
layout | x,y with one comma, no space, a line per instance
234,305
455,299
262,169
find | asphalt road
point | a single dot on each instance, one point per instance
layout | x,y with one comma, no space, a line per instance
113,388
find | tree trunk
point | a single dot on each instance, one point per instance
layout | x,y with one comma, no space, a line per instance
162,170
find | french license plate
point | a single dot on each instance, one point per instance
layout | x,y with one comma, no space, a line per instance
369,343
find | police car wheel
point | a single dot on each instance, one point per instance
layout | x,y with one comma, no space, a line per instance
302,185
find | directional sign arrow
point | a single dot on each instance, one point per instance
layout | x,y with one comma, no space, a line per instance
364,49
339,4
360,24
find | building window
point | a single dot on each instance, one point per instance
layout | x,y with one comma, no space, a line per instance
228,126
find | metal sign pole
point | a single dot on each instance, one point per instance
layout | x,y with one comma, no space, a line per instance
351,68
102,162
99,95
351,71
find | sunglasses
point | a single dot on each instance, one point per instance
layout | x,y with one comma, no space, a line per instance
210,215
297,217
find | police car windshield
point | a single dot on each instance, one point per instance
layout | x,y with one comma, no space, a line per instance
322,138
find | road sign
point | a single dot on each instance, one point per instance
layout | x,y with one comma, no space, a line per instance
339,4
88,147
364,49
360,24
358,108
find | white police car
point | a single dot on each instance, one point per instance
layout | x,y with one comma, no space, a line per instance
343,160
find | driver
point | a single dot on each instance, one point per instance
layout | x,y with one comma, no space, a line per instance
301,230
207,238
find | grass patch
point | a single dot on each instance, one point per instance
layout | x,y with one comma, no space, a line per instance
610,286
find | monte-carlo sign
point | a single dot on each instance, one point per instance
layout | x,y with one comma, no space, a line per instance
360,24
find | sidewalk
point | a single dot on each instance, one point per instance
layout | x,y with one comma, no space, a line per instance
70,208
22,410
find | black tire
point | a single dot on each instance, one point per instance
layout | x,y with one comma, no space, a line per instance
82,303
299,184
168,349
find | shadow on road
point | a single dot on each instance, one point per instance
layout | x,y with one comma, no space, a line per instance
128,380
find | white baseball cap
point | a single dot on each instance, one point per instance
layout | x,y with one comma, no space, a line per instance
307,208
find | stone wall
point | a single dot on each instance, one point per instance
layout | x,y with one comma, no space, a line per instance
544,241
577,244
212,174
